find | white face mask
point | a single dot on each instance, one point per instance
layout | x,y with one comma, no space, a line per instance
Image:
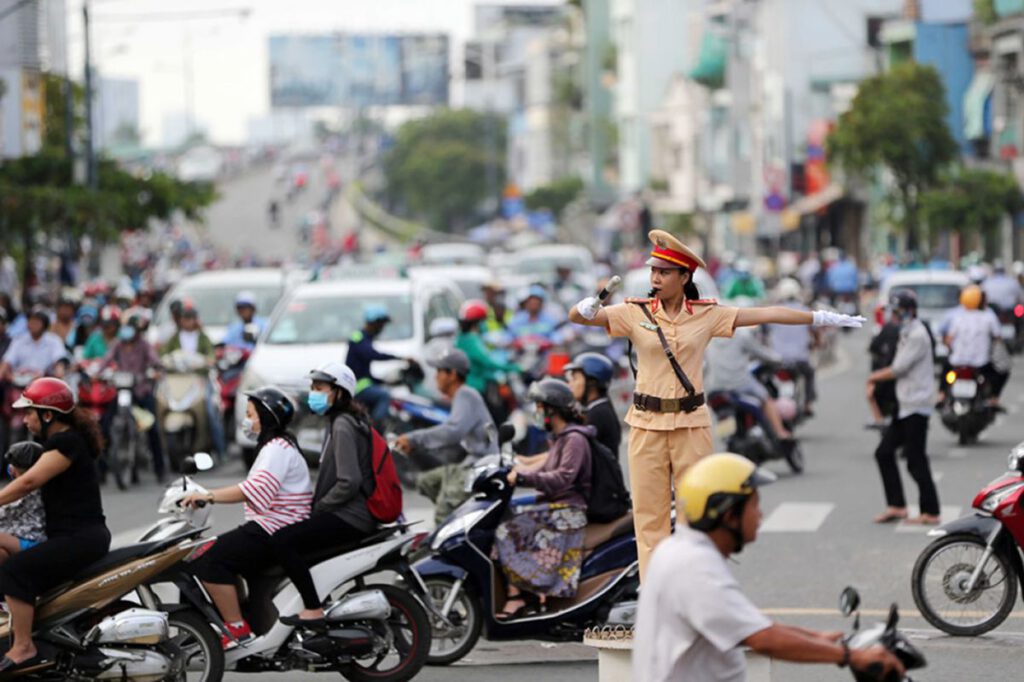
248,430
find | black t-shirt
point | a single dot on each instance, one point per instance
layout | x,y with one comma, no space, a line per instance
601,415
72,498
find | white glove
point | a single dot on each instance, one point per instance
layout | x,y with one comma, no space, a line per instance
825,318
588,307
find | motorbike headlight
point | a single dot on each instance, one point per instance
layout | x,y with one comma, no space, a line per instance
996,497
456,526
1016,459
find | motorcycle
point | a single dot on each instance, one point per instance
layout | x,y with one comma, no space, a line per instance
230,365
788,388
371,631
126,449
463,580
884,634
87,630
181,404
742,425
964,409
965,582
1011,323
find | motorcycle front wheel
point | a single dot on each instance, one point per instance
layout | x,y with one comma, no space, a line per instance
409,630
939,584
450,643
123,442
199,644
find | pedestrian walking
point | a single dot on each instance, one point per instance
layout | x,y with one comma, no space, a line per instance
913,369
670,331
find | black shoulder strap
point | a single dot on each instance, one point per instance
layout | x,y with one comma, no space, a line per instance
680,374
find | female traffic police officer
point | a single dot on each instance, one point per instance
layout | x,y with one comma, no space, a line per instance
670,424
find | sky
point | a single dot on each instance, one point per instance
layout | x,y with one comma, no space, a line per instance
228,54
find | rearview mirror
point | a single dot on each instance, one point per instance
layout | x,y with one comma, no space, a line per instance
849,601
203,461
506,432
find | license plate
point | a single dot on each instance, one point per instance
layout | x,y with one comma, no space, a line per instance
1009,331
124,398
726,427
786,389
965,388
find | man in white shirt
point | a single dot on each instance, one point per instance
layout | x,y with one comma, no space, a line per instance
693,617
971,335
39,351
1002,290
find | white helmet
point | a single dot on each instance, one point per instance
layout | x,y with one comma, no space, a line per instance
788,288
336,373
977,273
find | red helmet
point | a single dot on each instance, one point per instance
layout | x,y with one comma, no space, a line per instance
473,311
47,393
110,313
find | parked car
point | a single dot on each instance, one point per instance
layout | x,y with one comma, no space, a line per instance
937,291
313,325
213,294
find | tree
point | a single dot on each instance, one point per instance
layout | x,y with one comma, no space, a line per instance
555,196
897,122
971,201
442,167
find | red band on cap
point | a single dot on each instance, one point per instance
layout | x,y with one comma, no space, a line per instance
676,257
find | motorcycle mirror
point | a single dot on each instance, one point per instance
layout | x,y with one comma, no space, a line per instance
203,461
506,432
189,466
893,619
849,601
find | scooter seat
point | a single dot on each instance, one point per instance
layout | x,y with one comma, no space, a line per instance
596,534
330,551
124,555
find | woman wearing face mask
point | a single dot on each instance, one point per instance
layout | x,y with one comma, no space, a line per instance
76,529
339,500
541,548
276,495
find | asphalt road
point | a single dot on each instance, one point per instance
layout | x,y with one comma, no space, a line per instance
817,537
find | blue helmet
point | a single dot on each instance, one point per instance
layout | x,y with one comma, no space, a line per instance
594,366
376,313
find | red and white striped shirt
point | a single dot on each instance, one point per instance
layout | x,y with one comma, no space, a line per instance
277,491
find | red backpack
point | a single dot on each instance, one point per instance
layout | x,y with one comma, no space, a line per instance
385,502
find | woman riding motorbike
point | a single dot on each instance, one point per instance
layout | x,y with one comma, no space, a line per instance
276,494
484,368
76,529
339,501
541,548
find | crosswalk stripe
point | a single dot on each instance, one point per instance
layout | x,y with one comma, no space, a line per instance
797,517
947,513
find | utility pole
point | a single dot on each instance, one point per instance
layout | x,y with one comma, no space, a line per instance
92,178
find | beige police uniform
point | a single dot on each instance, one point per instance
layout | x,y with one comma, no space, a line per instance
662,445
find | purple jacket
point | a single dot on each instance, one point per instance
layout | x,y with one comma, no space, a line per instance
565,475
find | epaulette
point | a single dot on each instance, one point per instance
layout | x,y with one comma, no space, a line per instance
640,300
699,301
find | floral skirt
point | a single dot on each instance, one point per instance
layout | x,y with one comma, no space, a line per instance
541,548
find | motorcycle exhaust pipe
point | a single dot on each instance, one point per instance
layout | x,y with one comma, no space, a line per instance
369,605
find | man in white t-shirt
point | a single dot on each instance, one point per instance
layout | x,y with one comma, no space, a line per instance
971,335
694,619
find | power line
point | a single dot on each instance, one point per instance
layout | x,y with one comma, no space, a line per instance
177,16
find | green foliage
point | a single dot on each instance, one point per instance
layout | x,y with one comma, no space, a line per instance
897,121
971,201
440,166
555,196
55,113
985,12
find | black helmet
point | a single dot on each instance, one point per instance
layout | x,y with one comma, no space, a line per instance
904,300
553,393
274,401
23,455
42,314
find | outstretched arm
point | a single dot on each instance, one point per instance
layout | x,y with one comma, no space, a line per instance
751,317
600,318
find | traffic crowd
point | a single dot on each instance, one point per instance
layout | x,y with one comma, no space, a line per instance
502,358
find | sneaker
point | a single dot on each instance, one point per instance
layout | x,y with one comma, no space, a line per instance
242,635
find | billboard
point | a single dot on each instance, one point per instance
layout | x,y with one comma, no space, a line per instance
358,70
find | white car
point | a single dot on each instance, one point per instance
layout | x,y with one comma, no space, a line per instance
454,253
637,283
937,292
213,294
540,263
313,324
470,279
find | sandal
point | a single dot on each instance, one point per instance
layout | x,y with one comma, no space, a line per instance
7,665
924,520
890,517
505,614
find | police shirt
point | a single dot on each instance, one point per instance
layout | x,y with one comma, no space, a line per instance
688,335
693,616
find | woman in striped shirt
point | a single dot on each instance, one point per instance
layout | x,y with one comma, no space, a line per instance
277,493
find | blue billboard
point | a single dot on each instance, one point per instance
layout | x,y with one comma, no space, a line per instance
358,70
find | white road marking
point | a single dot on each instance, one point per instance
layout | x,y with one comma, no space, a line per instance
797,517
947,513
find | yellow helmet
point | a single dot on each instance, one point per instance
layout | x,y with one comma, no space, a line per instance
716,484
970,297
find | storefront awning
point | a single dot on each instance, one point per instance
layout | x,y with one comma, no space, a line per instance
817,201
975,100
710,68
